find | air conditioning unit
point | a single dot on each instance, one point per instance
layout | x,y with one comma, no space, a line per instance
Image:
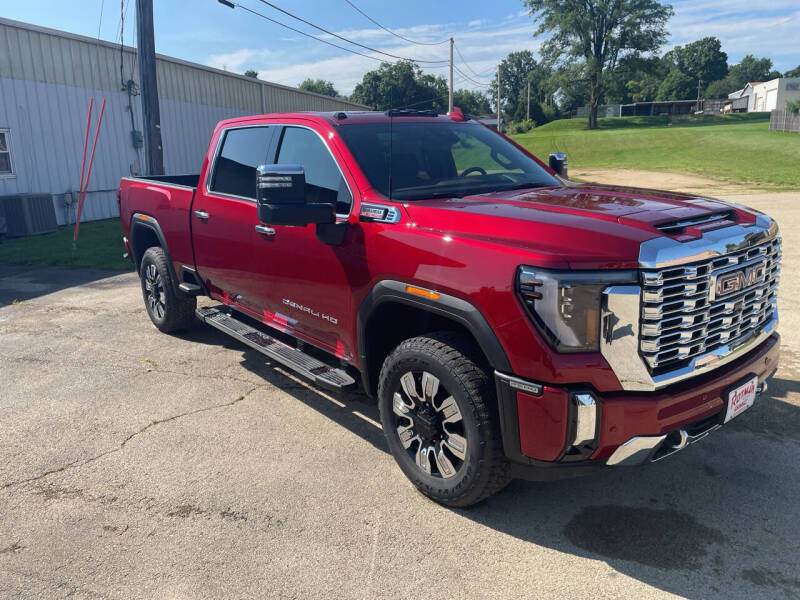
28,214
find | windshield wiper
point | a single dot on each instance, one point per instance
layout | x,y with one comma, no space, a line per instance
521,186
430,196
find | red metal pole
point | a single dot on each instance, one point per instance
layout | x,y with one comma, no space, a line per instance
89,170
83,162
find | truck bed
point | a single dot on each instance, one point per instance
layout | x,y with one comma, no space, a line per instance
167,201
191,180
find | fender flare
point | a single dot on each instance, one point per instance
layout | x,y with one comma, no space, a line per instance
445,305
140,220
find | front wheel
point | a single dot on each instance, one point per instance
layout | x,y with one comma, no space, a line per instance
168,310
439,415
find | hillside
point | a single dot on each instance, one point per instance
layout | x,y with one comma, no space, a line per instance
738,148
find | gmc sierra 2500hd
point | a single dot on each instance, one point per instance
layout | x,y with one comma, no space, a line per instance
510,322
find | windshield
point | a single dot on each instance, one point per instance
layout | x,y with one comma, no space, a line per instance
440,159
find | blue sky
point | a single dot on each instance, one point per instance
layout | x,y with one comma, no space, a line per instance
204,31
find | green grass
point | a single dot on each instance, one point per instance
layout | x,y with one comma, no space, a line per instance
99,246
738,148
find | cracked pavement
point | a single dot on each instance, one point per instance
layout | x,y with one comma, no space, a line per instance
135,464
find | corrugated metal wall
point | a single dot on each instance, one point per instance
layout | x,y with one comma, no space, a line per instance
47,78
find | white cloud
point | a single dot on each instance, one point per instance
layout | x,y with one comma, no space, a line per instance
482,48
771,31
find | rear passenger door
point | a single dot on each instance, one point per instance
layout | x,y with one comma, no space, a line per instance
224,213
302,282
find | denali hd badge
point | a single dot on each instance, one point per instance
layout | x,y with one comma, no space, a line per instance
734,281
310,311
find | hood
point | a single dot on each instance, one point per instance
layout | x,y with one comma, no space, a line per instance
586,225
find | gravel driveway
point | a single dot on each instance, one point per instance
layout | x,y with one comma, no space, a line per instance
139,465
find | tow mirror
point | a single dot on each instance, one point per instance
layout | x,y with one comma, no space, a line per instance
281,198
558,162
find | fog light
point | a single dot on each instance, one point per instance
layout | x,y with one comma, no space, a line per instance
585,418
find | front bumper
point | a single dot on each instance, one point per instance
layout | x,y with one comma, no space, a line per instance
540,424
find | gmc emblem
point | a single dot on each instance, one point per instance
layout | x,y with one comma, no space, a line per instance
730,283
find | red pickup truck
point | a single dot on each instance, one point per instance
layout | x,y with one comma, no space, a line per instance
509,321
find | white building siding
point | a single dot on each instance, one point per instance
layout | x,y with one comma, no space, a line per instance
47,78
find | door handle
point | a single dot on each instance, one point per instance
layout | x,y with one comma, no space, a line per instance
264,230
201,214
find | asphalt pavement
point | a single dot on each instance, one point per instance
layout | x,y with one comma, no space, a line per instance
135,464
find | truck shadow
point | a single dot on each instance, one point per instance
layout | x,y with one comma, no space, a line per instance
718,520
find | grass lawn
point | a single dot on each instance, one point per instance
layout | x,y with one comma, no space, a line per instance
737,148
99,246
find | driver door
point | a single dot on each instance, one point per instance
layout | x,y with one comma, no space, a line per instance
301,284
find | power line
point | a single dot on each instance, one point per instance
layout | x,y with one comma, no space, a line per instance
122,42
392,32
344,39
466,64
100,24
442,96
468,78
313,37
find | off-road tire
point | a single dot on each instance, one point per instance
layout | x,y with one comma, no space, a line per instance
177,310
456,362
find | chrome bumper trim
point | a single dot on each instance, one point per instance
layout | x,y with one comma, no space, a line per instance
652,448
635,451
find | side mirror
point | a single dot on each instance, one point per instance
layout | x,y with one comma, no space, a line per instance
281,198
558,162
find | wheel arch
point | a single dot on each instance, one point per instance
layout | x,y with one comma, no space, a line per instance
146,233
389,314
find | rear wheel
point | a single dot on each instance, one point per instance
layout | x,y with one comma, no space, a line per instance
439,415
168,310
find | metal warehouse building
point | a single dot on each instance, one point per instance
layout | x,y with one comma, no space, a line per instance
46,80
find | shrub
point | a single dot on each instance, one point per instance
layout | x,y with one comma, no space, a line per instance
523,126
793,106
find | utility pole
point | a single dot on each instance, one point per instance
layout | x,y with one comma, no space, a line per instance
528,112
499,128
148,84
450,98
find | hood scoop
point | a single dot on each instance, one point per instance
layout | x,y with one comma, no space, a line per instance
680,226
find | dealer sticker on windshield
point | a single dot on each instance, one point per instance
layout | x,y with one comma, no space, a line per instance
741,398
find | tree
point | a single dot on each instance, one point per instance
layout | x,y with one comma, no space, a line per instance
516,70
703,61
722,87
471,102
251,73
793,73
598,33
645,89
750,69
401,85
319,86
566,87
636,79
676,86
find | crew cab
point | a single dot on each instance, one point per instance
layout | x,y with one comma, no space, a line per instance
509,322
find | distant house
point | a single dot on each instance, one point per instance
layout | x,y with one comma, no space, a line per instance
765,96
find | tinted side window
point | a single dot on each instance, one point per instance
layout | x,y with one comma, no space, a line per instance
324,181
235,168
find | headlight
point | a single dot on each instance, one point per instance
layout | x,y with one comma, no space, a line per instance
565,305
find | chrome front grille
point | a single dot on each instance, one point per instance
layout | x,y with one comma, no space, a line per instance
683,315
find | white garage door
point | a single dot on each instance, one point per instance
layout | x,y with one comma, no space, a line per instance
772,100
